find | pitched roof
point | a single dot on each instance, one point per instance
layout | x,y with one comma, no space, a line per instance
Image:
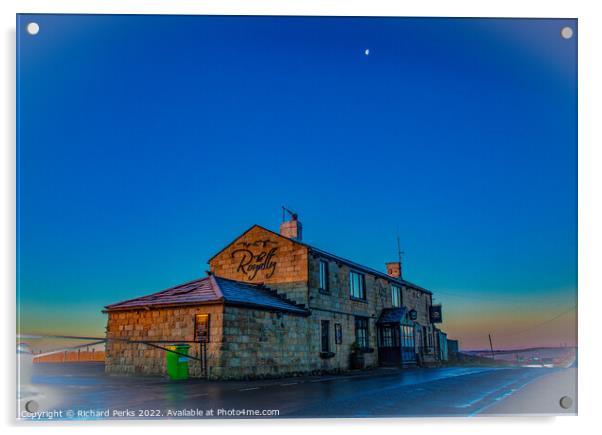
213,289
319,251
366,269
241,293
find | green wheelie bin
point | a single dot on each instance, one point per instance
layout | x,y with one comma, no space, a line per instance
177,365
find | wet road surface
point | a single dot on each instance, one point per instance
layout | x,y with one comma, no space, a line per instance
86,392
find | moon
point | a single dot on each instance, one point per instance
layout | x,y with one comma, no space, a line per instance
367,51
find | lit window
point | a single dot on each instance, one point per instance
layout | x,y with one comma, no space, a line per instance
201,328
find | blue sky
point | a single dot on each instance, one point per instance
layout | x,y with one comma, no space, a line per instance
146,143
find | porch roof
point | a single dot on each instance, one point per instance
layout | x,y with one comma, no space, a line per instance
392,315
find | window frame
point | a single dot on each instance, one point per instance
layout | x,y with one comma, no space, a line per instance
395,289
325,336
361,282
323,267
366,342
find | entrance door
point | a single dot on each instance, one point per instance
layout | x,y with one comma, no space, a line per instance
389,351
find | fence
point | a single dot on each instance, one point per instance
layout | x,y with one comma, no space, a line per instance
71,356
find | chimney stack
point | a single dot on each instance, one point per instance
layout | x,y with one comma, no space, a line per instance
394,269
292,229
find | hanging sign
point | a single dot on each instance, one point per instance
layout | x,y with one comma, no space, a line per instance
435,314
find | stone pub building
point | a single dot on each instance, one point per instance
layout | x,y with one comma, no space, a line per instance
272,305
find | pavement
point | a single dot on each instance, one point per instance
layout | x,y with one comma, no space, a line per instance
83,391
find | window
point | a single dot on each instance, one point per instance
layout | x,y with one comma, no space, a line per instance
407,339
323,276
361,332
357,285
201,328
338,334
395,296
408,350
386,336
325,336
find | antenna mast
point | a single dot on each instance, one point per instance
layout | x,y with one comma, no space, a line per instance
292,214
400,256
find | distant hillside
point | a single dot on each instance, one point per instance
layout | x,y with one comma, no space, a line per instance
556,356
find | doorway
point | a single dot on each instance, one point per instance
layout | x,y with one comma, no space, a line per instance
389,349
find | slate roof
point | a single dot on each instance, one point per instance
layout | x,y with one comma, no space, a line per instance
359,267
392,315
240,293
334,257
214,289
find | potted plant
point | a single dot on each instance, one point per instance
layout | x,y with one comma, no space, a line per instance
356,359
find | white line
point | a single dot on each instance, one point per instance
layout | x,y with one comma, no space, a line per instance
249,389
489,405
290,383
324,380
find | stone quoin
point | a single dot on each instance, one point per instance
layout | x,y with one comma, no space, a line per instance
273,305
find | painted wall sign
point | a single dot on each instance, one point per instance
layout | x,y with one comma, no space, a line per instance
252,261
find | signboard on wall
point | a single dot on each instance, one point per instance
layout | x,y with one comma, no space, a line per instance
338,334
201,328
435,314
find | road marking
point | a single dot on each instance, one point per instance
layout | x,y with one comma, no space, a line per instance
514,390
324,380
249,389
290,383
487,394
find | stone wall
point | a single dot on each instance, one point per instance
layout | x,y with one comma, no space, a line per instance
175,324
248,343
337,306
244,343
261,256
260,344
419,301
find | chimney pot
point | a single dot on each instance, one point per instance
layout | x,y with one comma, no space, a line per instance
394,269
292,229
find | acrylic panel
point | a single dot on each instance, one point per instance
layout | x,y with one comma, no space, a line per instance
295,217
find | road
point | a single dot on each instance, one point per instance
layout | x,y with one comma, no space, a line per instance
87,393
